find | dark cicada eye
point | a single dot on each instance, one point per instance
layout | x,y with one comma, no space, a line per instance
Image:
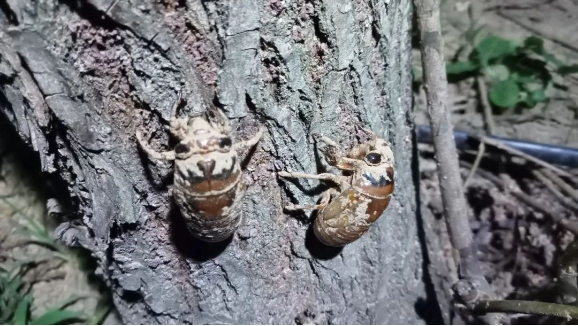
225,142
373,158
182,148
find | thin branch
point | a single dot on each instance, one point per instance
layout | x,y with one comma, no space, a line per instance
552,187
500,145
562,184
527,307
479,155
518,7
488,116
528,200
435,82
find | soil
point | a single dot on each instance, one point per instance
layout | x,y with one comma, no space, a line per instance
518,247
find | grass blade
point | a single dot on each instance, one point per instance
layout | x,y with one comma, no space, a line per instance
54,317
21,314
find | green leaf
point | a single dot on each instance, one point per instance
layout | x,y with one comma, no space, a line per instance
527,100
534,44
493,47
456,68
14,286
505,94
538,95
472,33
103,308
525,69
524,78
566,70
54,317
552,59
497,72
21,314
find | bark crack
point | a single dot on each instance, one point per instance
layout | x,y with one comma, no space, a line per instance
9,13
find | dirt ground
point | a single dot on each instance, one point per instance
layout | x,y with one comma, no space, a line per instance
518,246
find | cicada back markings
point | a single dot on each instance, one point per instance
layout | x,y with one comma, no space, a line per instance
208,182
346,213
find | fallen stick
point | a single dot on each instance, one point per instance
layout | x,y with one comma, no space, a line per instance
479,155
527,307
562,184
557,193
488,116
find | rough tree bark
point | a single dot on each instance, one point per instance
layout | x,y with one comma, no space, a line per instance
78,78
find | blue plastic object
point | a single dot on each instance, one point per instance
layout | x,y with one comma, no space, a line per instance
559,155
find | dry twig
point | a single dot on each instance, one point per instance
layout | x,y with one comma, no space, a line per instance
490,125
479,156
485,102
552,187
488,116
562,184
527,307
518,6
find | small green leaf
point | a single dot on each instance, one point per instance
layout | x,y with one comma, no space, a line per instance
21,314
525,69
102,310
549,57
54,317
534,44
472,33
523,78
456,68
505,94
497,72
538,95
527,100
566,70
493,47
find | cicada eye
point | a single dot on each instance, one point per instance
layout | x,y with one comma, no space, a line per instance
225,142
182,148
373,158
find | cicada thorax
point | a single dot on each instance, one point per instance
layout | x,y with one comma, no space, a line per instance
349,215
209,191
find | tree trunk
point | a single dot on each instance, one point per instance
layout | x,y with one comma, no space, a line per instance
78,78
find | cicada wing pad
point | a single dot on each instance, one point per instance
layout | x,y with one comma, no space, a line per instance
350,214
339,223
